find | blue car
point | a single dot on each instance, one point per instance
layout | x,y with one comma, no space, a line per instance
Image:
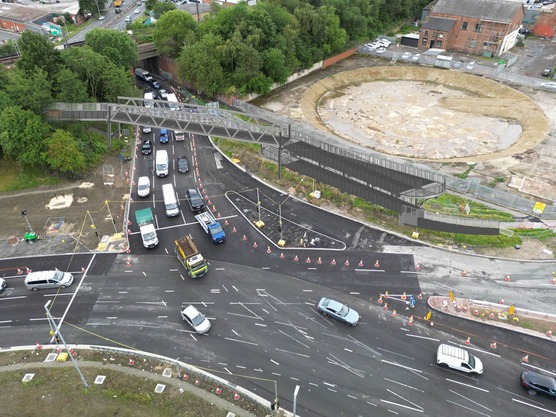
163,136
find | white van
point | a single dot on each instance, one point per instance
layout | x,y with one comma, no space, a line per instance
170,200
148,97
143,186
454,357
161,163
48,279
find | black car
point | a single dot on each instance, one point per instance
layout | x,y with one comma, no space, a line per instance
546,73
147,147
156,85
194,199
536,383
183,165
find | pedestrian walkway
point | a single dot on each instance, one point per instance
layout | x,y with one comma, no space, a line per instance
499,315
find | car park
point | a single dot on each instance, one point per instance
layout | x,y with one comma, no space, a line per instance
195,319
147,147
406,55
183,165
163,94
338,311
536,383
48,279
194,200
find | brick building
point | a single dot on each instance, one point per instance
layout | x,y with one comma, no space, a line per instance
478,27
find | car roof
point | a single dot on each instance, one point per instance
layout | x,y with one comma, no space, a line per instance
191,311
540,379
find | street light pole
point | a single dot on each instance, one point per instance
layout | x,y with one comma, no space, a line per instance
58,333
295,392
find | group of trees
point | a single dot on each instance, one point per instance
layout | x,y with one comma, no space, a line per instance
99,71
244,49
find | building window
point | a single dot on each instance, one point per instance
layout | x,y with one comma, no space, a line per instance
478,27
426,32
434,34
472,43
439,44
425,41
464,25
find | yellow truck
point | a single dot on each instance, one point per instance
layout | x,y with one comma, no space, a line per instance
190,257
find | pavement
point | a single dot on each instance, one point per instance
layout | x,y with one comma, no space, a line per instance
499,315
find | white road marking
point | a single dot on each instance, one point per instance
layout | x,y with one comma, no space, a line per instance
465,398
467,385
405,399
293,353
112,317
144,273
260,324
329,384
240,367
401,366
401,405
352,396
468,408
313,384
13,298
404,385
274,362
191,334
227,370
219,269
277,374
169,291
173,270
241,341
423,337
534,406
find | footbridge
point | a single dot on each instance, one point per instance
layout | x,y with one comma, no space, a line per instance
395,185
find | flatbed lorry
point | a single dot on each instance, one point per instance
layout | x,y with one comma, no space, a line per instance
211,227
144,218
144,75
190,257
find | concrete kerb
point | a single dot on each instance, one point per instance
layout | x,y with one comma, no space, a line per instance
455,308
135,353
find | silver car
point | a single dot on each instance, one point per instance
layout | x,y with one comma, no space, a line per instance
338,311
48,279
195,319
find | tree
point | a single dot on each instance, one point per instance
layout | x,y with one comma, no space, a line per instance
69,88
171,32
274,65
116,46
92,6
31,91
161,8
22,135
115,82
201,63
37,52
248,66
62,154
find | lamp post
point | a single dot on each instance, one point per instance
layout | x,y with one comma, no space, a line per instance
295,392
57,333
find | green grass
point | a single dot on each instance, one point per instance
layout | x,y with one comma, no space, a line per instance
13,177
452,205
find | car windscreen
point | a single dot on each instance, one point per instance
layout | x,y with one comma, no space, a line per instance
58,276
198,319
343,311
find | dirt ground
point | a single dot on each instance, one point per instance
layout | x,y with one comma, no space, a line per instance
68,217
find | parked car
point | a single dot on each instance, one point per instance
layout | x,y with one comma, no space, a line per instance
156,84
416,57
546,73
3,284
549,86
381,50
195,319
536,383
406,55
163,94
183,165
147,147
338,311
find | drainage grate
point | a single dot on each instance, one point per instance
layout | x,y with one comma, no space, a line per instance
99,380
27,377
167,372
51,357
159,389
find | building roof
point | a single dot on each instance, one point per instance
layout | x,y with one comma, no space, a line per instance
438,23
12,11
496,10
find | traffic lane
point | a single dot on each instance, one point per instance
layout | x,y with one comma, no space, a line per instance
14,267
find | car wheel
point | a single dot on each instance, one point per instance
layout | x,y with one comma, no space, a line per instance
324,313
62,286
443,365
35,289
532,392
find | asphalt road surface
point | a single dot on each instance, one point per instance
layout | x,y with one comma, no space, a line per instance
261,302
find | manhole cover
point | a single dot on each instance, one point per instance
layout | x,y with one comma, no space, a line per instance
13,240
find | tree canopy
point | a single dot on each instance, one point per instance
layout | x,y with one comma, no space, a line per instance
116,46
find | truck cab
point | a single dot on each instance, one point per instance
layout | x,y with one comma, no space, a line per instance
211,227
